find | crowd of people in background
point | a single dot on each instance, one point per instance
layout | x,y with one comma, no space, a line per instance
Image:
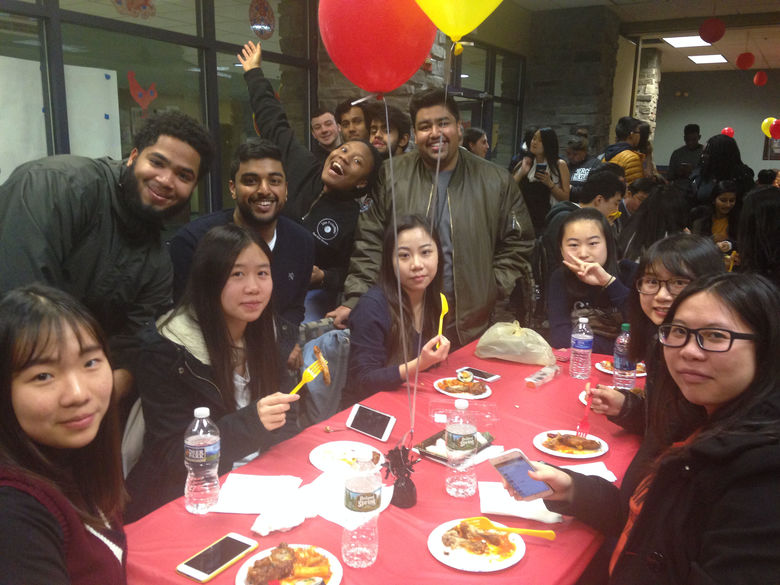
389,215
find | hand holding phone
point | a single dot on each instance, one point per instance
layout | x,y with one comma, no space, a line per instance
514,466
216,557
371,422
541,168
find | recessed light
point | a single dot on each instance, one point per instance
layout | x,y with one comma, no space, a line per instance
464,75
682,42
704,59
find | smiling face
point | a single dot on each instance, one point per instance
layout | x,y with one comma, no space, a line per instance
656,306
584,240
353,125
61,398
707,378
347,167
260,191
438,135
724,203
417,261
325,130
247,290
166,173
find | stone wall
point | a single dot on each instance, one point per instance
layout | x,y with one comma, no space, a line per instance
570,70
648,87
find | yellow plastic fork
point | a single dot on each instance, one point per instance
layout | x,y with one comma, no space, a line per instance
309,374
484,523
445,308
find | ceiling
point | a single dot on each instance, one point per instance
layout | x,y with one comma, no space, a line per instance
751,25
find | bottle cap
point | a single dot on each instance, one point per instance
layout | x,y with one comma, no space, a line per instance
583,319
625,327
202,412
461,404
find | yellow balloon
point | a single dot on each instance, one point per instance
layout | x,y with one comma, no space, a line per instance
765,126
458,17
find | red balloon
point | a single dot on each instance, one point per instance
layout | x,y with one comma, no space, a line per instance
378,45
712,30
728,131
760,78
745,61
774,129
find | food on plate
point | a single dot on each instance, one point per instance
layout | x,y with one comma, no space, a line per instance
455,386
323,364
375,457
572,444
478,542
465,376
607,365
289,565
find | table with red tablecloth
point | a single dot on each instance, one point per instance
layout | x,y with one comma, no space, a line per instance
168,536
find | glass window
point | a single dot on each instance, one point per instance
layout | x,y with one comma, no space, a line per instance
172,15
508,71
473,67
504,130
23,121
280,26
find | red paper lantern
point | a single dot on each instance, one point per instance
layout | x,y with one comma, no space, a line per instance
712,30
760,78
745,61
774,129
728,131
378,45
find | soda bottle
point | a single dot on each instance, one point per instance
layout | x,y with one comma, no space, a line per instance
581,347
362,494
624,370
461,441
201,457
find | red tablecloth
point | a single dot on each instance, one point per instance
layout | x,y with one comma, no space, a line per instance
161,540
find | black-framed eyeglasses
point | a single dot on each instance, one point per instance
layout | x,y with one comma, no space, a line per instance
708,338
648,285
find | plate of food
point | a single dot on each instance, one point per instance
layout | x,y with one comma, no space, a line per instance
607,367
471,390
567,444
435,447
461,545
292,564
340,455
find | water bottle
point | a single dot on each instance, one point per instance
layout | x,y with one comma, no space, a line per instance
624,370
461,442
581,347
201,457
362,494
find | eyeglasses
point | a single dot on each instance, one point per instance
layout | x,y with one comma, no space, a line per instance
647,285
708,338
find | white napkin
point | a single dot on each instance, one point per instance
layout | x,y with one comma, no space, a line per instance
327,494
248,494
598,468
494,499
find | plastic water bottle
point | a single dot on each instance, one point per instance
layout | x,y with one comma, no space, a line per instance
362,494
201,457
624,370
581,348
461,442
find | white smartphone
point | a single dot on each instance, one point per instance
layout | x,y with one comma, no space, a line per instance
371,422
513,466
216,557
481,374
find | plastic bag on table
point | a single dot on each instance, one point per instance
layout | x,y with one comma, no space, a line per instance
509,341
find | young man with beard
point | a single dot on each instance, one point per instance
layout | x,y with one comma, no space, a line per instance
325,198
258,184
325,132
400,129
476,207
92,226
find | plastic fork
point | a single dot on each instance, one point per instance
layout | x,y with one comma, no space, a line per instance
583,427
309,374
484,523
445,308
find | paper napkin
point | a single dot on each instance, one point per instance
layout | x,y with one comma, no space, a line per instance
494,499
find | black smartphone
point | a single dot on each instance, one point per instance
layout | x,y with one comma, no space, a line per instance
514,466
541,167
371,422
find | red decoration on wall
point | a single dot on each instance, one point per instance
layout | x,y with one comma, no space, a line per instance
136,8
143,97
745,61
728,131
774,129
712,30
760,78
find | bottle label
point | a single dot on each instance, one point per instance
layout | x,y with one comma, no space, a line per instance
582,343
457,442
361,501
208,453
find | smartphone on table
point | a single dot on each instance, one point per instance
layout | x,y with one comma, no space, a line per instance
216,557
371,422
480,374
514,466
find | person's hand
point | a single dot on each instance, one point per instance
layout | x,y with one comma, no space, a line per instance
251,56
339,315
606,400
591,273
544,178
295,359
317,275
430,356
723,245
522,169
272,410
123,383
560,482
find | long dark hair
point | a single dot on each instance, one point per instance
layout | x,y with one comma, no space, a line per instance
211,267
551,150
388,282
753,299
33,319
686,255
733,217
664,212
721,159
759,233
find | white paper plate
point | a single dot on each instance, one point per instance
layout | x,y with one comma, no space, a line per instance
539,440
339,455
606,367
466,395
337,571
466,561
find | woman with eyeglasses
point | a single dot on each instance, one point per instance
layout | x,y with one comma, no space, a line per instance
706,511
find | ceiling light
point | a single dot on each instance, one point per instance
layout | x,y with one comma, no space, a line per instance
464,75
704,59
682,42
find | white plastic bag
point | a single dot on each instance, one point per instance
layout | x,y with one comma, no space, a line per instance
509,341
